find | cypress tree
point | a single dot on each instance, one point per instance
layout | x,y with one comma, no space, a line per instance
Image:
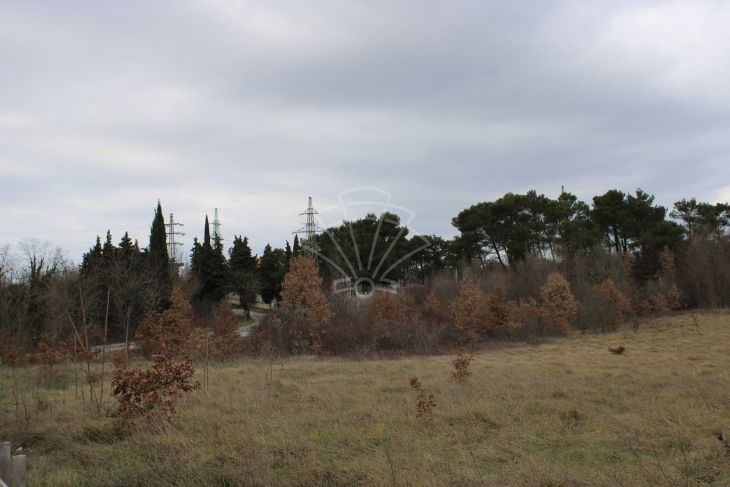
218,270
296,248
196,254
158,260
209,266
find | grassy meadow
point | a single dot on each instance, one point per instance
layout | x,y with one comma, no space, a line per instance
562,413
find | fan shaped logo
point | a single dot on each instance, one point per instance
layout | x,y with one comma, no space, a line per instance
364,240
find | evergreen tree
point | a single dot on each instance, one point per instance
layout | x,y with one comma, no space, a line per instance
375,251
702,218
218,270
611,215
196,255
209,266
126,247
242,272
296,247
108,249
158,261
91,260
271,273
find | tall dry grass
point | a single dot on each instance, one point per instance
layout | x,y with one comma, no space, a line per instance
566,412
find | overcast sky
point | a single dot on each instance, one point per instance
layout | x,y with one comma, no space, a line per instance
253,106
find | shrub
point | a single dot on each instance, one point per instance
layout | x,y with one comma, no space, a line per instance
461,365
170,332
558,305
702,275
350,330
49,357
527,319
471,313
612,306
392,317
500,312
304,316
226,342
151,393
658,303
425,401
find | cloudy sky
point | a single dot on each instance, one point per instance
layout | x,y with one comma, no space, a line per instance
251,107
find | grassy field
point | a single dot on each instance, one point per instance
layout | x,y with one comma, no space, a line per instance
564,413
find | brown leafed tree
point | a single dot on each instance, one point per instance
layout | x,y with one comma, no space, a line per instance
171,331
471,312
305,311
558,304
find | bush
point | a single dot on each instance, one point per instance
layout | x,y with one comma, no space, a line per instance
606,308
558,305
702,272
425,401
226,342
461,365
471,313
170,332
151,393
300,323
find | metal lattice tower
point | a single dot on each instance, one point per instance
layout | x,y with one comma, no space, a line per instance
171,241
309,230
216,226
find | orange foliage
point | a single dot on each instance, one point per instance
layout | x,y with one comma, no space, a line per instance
471,313
151,393
558,305
171,331
305,311
461,365
619,306
425,402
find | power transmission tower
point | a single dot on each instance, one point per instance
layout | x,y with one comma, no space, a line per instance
171,242
309,231
216,227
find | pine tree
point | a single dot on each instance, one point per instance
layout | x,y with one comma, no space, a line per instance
91,260
108,248
126,247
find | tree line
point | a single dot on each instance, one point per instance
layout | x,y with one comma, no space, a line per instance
117,283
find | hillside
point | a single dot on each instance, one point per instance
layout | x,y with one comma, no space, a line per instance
566,412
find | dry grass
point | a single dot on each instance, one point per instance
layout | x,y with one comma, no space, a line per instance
563,413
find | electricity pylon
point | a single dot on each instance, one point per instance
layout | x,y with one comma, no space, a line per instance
171,241
309,231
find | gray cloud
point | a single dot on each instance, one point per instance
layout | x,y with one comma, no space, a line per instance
253,106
